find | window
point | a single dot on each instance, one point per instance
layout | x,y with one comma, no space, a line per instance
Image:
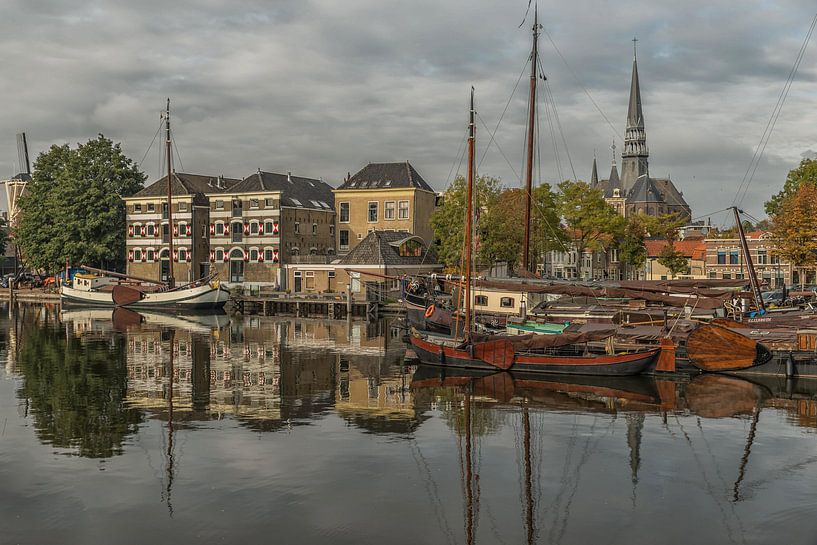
344,212
219,228
388,210
219,205
297,227
182,207
481,300
314,228
137,208
332,229
411,248
734,258
762,257
727,276
331,274
253,254
269,203
238,208
137,255
403,210
151,230
151,207
151,255
236,231
268,228
268,255
254,203
310,280
182,254
219,255
372,212
713,274
506,302
254,228
613,255
344,239
721,257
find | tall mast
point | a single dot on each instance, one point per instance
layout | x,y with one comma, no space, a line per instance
749,265
469,213
171,282
531,119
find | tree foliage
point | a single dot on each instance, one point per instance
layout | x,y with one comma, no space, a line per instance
502,233
73,207
806,172
593,223
632,250
794,227
448,220
675,261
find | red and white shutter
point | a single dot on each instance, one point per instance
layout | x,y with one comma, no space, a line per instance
130,230
188,229
143,230
144,256
212,256
275,255
175,230
260,256
246,256
212,229
226,257
189,257
275,228
246,228
156,229
260,228
226,228
176,256
130,256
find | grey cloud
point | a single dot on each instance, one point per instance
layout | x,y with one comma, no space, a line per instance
322,87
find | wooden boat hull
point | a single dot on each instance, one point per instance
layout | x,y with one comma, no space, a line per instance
431,353
195,298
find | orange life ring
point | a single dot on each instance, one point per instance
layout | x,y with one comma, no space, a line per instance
429,311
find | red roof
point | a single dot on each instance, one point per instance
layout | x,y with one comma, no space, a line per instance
694,249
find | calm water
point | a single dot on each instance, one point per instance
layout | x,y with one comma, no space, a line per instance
310,431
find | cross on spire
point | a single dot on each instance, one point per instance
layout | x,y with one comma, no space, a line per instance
635,41
613,148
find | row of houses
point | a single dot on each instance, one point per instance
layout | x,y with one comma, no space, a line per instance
707,257
283,231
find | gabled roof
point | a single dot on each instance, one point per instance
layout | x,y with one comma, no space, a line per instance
188,184
386,176
383,248
671,194
609,185
645,190
296,191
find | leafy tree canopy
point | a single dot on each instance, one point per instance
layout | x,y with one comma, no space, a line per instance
673,260
73,207
806,172
448,220
632,250
794,227
593,223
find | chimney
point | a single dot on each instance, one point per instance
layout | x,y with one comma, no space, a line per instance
220,182
289,176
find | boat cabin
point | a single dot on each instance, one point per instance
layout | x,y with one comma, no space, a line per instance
91,282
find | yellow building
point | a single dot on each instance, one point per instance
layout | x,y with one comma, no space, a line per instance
383,197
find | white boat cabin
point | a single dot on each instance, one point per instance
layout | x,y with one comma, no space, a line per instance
91,282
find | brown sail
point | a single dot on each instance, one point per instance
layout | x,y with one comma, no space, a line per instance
705,347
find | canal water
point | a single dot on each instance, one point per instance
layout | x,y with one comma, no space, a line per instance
213,429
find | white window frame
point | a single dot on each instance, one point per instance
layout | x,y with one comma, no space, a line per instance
348,212
400,210
348,238
369,211
386,210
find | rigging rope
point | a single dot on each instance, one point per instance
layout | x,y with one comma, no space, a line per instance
743,188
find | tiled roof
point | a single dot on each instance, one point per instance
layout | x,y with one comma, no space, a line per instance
382,248
296,191
688,248
386,176
187,184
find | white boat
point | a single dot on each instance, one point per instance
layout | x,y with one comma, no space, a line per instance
105,291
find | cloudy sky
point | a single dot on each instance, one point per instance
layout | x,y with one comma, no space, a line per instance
321,87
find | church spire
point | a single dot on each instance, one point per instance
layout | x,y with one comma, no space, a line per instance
594,176
634,158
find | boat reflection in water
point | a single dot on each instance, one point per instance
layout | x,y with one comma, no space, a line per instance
224,428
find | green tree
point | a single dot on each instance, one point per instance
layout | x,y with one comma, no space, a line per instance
675,261
794,228
502,233
806,172
73,207
448,220
632,250
593,223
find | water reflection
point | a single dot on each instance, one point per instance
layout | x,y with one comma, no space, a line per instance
211,401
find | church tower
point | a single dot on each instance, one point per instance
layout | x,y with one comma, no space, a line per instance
634,158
